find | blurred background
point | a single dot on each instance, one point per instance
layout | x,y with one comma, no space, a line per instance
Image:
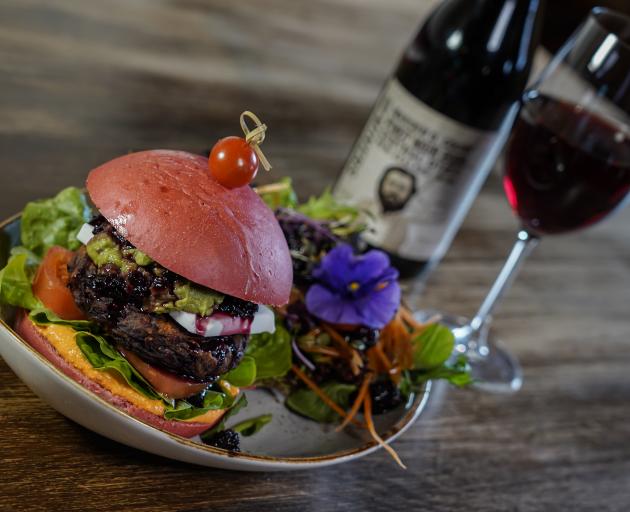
82,82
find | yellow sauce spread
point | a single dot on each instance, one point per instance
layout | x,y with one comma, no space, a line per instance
62,338
208,417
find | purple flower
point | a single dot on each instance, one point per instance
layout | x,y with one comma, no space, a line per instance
354,289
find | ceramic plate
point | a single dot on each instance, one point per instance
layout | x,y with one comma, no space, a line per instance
288,442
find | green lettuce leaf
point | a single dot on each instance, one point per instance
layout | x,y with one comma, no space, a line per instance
252,426
32,260
343,219
44,316
271,353
236,407
307,403
15,283
103,356
433,347
54,221
244,374
279,194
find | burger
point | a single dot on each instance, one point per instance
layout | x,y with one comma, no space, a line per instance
174,272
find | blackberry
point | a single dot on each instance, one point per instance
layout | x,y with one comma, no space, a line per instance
100,224
109,285
162,282
237,307
337,371
225,439
363,338
197,400
385,396
140,285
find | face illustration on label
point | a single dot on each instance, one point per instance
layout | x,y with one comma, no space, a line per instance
396,188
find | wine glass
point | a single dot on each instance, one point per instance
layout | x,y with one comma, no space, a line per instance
567,166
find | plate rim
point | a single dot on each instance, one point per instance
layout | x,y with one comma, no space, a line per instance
404,423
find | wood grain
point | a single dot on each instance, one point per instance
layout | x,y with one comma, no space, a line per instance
82,82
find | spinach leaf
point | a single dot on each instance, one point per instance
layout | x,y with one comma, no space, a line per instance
456,373
305,402
252,426
54,221
244,374
44,316
271,353
433,347
212,401
236,407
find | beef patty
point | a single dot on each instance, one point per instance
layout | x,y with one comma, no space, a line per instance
117,303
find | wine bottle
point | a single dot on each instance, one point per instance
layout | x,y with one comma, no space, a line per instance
439,125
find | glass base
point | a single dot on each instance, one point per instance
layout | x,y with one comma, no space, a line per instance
494,368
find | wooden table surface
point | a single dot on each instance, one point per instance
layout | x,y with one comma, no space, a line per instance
82,82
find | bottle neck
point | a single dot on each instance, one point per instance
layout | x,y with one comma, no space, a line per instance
483,27
471,58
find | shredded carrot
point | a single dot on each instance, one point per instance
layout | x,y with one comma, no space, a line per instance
333,333
387,335
322,394
353,357
323,350
356,363
365,386
315,331
395,374
393,351
404,348
408,317
367,413
374,363
378,350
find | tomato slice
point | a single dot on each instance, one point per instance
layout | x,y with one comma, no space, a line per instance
163,381
51,284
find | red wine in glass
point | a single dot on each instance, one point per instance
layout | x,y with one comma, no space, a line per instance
566,167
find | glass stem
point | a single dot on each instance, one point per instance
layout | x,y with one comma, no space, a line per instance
479,324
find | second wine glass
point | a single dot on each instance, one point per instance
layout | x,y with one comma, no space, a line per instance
567,166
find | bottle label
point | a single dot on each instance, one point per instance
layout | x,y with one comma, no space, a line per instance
410,169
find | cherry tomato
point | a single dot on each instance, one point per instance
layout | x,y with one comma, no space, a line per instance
233,162
51,284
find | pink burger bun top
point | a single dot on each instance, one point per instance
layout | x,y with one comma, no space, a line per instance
167,204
